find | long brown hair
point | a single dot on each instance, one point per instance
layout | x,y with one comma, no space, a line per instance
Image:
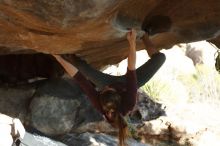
111,100
122,130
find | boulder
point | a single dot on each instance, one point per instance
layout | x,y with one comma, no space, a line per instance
14,101
58,106
201,53
5,135
146,109
96,30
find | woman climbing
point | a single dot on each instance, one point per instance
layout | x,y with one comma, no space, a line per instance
118,95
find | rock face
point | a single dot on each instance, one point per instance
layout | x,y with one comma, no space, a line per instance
96,29
57,108
90,139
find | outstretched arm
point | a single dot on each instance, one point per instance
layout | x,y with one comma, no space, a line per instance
150,47
131,36
131,79
70,69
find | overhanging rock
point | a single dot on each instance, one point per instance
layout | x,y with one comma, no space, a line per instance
95,30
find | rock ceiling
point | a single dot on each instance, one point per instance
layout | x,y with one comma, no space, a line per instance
95,29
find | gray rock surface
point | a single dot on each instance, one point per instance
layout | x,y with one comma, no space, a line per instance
14,101
84,139
146,109
95,139
52,115
37,140
56,108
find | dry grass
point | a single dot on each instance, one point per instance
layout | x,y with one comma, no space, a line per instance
200,108
203,86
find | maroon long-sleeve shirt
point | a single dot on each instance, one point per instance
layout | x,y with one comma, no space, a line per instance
127,90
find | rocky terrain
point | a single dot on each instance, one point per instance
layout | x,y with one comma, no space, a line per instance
33,87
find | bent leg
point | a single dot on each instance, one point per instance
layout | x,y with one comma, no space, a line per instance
95,76
147,70
144,72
